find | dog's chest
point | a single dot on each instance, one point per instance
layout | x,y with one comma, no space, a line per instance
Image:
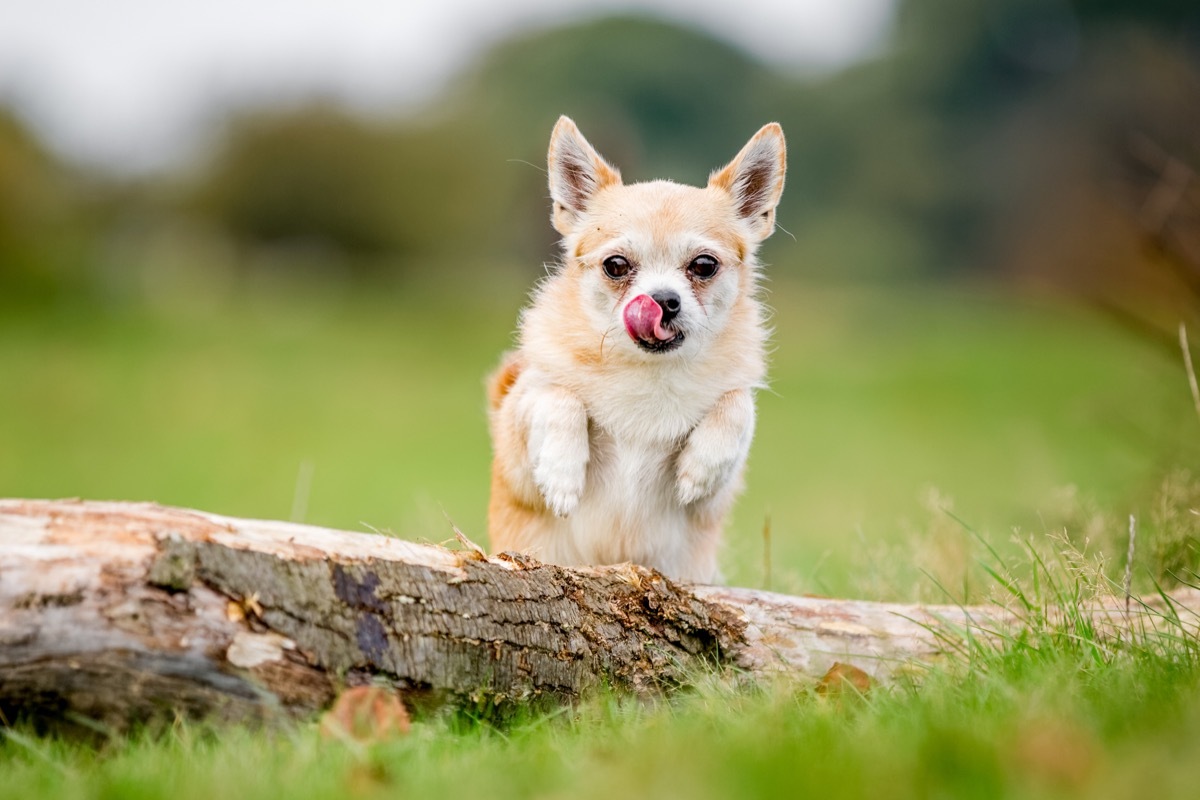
639,413
638,426
637,472
629,510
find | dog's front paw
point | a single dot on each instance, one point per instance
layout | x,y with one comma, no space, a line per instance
702,471
559,451
561,484
716,449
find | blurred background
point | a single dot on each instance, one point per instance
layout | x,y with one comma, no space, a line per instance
257,259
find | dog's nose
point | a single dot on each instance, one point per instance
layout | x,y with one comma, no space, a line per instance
668,301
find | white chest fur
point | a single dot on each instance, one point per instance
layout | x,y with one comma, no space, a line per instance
629,510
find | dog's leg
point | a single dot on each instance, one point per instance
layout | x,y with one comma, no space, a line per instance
716,449
557,446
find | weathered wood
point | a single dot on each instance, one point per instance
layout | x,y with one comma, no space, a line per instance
118,612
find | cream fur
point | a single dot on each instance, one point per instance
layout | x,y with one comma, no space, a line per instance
607,453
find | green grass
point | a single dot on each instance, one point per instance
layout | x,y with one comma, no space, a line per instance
888,409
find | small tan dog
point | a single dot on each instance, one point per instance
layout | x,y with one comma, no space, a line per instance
622,422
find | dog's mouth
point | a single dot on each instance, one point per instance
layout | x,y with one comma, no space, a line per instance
646,327
658,345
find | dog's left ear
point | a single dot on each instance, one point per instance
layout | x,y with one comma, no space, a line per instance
755,179
577,172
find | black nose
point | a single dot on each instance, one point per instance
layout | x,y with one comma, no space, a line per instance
668,301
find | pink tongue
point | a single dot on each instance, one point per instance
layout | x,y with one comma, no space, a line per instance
643,319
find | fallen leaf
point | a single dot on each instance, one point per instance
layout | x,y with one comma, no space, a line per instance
1056,751
241,610
366,714
843,677
234,611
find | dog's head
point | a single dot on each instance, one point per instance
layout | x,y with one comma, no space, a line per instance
664,266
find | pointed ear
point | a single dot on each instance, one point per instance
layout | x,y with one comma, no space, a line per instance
577,172
755,179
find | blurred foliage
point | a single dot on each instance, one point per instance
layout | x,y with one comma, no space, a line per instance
1047,111
40,214
321,179
651,95
1030,140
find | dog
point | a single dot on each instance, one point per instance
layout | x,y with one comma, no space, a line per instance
622,421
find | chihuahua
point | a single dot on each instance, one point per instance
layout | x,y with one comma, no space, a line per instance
621,422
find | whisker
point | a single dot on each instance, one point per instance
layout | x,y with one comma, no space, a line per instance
785,230
526,163
605,337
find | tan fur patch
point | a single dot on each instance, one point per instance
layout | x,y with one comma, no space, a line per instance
501,381
511,522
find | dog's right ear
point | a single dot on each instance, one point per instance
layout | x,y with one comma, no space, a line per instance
754,179
577,172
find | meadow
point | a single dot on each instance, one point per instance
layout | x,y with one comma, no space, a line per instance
903,425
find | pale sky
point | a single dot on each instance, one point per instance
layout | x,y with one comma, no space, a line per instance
132,84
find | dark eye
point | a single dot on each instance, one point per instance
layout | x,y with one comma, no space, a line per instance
703,267
616,267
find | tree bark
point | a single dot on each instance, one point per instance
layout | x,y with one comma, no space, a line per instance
117,613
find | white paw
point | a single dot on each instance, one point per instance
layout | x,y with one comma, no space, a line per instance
560,483
716,449
702,471
558,449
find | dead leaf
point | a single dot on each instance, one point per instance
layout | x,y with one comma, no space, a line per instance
1056,751
241,610
842,678
366,714
234,611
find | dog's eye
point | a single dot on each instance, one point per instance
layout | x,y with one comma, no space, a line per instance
703,267
616,267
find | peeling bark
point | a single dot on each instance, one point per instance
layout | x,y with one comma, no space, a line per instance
120,612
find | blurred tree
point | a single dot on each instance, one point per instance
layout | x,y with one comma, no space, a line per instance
988,137
40,221
1041,105
366,193
312,175
646,92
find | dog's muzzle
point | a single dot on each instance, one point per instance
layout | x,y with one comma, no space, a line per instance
648,321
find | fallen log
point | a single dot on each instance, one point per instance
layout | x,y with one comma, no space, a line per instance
121,612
